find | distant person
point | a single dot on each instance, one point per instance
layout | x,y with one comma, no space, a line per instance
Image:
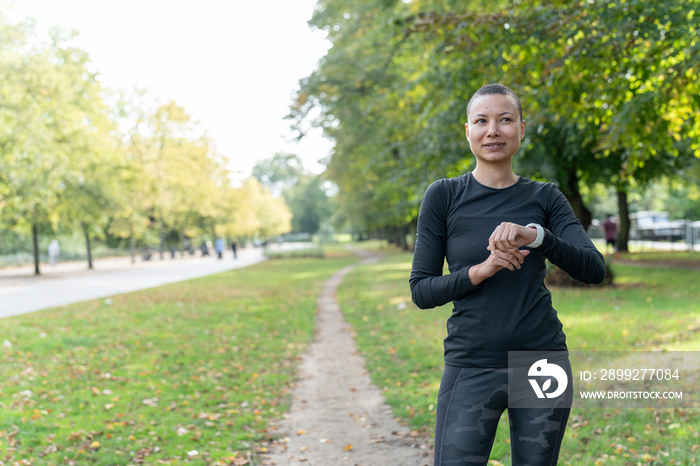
188,246
204,248
234,248
54,252
609,227
219,247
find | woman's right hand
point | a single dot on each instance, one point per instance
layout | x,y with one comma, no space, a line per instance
497,260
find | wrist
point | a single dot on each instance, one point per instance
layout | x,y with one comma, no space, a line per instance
474,274
539,238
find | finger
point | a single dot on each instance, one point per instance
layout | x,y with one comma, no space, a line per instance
500,239
505,264
496,261
520,253
510,236
507,260
513,259
518,256
492,239
513,235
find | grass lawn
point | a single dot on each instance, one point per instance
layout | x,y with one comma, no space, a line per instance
189,372
650,308
193,372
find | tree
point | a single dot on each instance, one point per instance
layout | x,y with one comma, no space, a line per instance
130,218
611,85
279,173
90,185
284,174
361,112
621,73
39,103
252,212
309,204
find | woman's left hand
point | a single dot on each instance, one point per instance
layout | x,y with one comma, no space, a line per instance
508,236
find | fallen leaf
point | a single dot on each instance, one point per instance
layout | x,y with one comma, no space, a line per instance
348,447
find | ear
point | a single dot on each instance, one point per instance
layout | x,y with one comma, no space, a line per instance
466,129
522,130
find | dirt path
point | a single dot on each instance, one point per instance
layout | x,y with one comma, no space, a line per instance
338,416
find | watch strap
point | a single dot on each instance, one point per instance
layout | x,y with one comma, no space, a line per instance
540,235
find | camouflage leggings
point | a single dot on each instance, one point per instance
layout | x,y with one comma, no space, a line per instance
470,403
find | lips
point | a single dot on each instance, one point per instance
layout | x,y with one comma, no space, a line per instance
495,145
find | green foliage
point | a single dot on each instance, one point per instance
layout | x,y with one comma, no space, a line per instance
609,90
303,192
279,172
309,204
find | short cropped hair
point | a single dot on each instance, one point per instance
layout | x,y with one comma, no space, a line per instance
497,89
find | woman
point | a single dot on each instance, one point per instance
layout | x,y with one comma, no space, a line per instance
483,223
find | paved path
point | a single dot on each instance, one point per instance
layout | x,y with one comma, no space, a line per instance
338,417
21,291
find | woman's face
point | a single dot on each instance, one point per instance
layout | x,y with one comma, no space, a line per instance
494,129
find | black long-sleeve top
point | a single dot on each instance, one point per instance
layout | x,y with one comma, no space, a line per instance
511,310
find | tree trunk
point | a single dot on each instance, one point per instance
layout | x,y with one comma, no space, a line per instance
162,240
132,244
412,229
402,232
88,245
573,195
624,233
35,239
396,236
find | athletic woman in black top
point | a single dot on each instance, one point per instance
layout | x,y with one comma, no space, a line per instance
482,223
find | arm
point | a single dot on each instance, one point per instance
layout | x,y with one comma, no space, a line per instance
567,245
429,288
565,242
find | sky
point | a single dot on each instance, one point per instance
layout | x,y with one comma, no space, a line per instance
232,64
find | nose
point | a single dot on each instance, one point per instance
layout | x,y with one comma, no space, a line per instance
492,129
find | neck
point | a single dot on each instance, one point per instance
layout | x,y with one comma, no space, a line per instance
500,178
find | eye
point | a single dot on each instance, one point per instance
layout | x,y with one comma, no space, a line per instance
480,120
506,119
